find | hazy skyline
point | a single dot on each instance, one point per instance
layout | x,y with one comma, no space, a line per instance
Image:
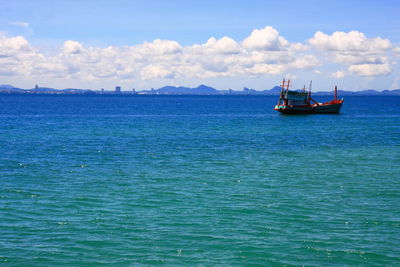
224,44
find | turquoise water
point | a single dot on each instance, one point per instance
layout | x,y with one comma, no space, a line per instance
197,181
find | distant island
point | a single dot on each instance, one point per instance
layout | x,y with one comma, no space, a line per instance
174,90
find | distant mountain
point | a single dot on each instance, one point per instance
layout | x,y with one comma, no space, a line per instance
274,91
9,88
173,90
368,92
199,90
204,89
6,88
391,92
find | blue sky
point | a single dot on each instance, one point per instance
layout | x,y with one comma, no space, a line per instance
47,25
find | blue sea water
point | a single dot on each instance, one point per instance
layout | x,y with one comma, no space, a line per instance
197,181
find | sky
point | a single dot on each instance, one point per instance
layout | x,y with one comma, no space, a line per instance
224,44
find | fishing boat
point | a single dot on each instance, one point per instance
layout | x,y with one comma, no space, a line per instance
299,102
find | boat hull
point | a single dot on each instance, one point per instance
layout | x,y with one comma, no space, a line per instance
327,108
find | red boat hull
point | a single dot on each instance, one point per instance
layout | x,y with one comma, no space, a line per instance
332,107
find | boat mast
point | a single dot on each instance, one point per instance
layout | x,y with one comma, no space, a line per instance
283,88
335,94
287,86
309,92
287,90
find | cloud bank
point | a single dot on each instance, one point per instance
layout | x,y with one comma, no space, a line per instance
264,52
363,56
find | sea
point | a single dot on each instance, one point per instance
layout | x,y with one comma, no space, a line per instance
109,180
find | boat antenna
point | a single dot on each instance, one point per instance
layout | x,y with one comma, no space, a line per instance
309,88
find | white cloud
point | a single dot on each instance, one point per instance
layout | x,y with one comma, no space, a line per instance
356,58
72,47
264,69
396,51
13,45
16,56
24,25
371,69
304,62
265,39
317,72
159,47
291,76
339,74
361,55
154,72
351,41
224,45
263,53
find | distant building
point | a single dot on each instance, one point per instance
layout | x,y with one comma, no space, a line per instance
102,90
133,91
117,89
36,86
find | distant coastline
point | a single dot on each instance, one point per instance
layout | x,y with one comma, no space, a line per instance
173,90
